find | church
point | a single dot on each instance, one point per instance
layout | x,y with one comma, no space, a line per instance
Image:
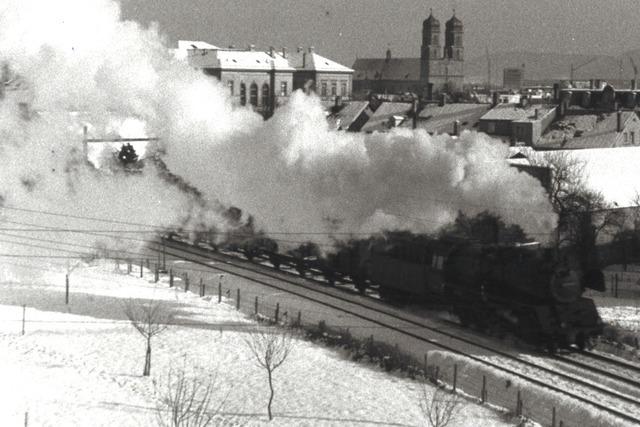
436,71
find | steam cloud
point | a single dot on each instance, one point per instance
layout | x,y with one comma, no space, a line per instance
291,173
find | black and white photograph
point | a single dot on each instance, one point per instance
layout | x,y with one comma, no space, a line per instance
398,213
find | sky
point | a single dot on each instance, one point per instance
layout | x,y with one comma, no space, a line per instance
346,29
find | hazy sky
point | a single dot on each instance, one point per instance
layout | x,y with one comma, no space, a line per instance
345,29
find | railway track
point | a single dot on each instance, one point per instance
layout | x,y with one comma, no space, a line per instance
580,389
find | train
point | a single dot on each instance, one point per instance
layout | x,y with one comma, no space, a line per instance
518,287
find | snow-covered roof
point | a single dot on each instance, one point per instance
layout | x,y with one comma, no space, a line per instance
313,62
185,45
232,59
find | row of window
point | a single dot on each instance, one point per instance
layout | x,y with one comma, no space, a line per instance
324,88
253,92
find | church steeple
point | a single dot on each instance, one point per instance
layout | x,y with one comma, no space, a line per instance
431,38
454,30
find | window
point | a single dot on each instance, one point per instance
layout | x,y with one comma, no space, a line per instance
633,137
265,95
253,95
243,94
334,88
230,84
283,88
491,127
323,90
343,89
626,137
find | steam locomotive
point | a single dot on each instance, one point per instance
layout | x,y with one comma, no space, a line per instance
525,289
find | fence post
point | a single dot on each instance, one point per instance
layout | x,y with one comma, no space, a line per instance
256,306
201,287
66,289
219,292
299,318
519,404
171,278
426,366
141,267
238,300
164,256
277,311
553,417
437,373
186,282
455,376
24,309
156,276
483,393
129,266
148,265
617,281
26,419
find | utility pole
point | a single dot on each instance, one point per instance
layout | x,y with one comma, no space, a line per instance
488,68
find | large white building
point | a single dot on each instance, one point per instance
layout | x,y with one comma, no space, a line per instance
265,79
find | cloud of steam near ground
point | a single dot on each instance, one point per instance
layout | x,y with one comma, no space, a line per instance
291,172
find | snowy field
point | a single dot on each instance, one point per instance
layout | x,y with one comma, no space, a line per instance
81,365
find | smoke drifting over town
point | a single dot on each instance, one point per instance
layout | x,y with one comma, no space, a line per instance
84,65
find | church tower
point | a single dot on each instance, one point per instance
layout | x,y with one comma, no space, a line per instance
431,49
453,32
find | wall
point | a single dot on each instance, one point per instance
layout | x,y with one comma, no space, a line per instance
501,127
331,78
260,78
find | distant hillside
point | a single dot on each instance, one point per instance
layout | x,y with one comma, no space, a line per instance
553,66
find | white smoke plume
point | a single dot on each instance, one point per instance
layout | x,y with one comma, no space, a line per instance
80,65
296,177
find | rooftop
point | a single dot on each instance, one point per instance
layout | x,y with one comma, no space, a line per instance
585,131
238,59
515,113
439,119
387,69
344,118
313,61
387,111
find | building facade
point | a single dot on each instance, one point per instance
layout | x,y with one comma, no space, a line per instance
265,80
439,69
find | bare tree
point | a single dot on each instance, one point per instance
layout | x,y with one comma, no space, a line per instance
575,203
187,400
440,407
149,319
270,350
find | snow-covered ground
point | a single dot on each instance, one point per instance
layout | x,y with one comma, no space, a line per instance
81,365
624,316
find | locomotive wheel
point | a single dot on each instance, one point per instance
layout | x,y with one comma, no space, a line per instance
275,263
581,342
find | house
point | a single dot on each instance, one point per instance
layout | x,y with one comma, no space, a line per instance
315,73
260,79
518,124
584,129
387,116
265,80
449,118
349,116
